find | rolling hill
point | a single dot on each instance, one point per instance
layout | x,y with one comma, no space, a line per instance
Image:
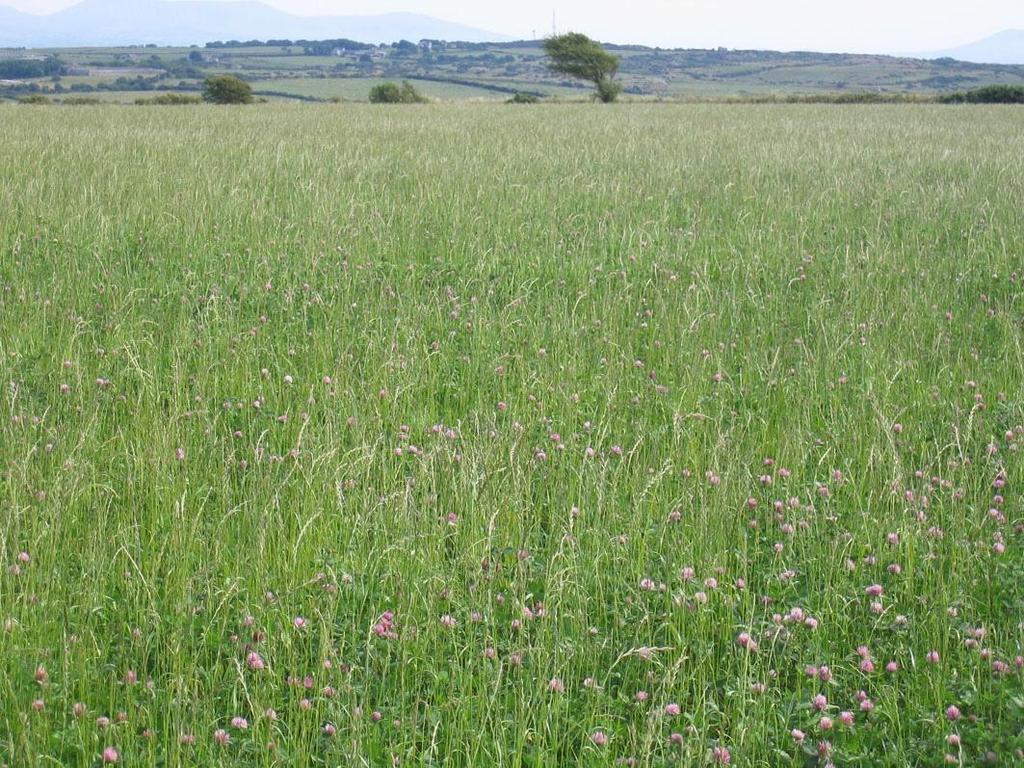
134,22
1006,47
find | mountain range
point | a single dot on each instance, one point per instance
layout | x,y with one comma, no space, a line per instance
1006,47
139,22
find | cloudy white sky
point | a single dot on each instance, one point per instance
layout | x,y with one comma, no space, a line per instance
833,25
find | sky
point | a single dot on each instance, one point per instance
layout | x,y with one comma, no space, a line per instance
855,26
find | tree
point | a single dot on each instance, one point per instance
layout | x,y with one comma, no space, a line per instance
393,93
577,55
227,89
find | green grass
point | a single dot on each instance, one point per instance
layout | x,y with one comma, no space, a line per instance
505,365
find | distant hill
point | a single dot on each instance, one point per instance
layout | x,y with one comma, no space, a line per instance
312,71
1006,47
134,22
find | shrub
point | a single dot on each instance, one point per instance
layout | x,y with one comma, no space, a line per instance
227,89
989,94
81,101
169,99
393,93
34,98
523,98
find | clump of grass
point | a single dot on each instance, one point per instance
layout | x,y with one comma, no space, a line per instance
169,100
35,99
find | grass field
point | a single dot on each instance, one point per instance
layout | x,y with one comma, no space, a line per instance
485,435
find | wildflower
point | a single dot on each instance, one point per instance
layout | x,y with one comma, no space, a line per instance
255,661
600,738
110,755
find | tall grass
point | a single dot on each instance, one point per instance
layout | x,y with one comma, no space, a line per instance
481,436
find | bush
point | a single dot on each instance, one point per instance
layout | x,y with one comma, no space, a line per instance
34,98
393,93
523,98
227,89
989,94
169,99
81,101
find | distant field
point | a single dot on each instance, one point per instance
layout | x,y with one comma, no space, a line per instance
646,73
482,435
358,89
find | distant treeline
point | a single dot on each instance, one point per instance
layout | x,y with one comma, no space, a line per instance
19,69
326,46
990,94
143,84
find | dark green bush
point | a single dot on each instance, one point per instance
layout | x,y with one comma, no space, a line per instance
81,101
34,98
523,98
227,89
393,93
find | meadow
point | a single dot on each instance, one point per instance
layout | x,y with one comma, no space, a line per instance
485,435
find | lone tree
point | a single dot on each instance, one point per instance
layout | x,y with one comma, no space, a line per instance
227,89
577,55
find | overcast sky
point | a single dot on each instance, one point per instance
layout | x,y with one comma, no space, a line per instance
827,25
